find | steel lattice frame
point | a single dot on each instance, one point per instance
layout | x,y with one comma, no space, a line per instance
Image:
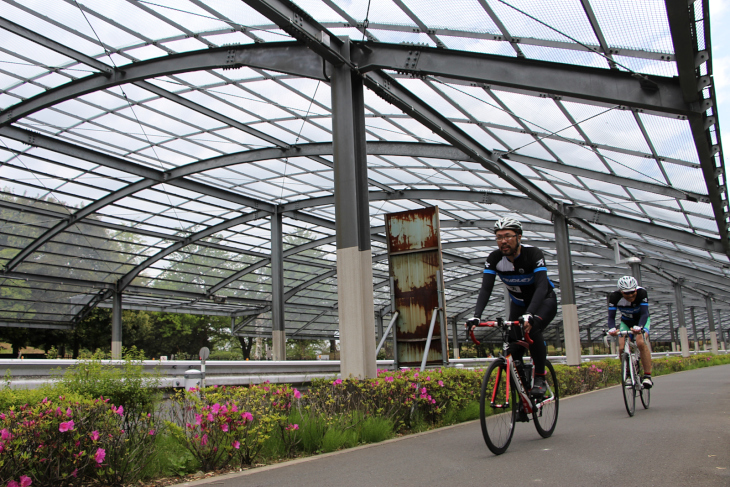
146,144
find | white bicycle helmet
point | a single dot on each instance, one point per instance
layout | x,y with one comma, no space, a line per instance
508,224
627,283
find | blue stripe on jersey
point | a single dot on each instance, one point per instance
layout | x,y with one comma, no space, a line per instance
612,308
489,271
537,269
517,301
644,304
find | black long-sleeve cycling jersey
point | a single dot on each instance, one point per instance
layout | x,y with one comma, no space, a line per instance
526,279
633,313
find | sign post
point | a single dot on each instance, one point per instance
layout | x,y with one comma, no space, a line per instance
204,354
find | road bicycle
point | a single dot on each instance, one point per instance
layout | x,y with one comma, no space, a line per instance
505,395
631,374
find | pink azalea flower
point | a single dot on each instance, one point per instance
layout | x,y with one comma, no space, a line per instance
75,473
423,390
198,419
94,435
234,408
69,413
247,416
236,445
2,416
224,410
120,411
67,426
100,454
152,432
13,483
297,394
211,417
389,379
204,440
44,401
2,447
5,434
25,481
337,382
224,427
292,427
441,383
216,408
415,375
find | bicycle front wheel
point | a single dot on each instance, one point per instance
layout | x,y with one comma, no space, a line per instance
644,394
545,412
497,411
627,384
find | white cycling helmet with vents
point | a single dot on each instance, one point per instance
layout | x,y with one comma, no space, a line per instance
508,224
627,283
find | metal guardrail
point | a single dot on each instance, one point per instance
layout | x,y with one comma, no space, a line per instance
33,373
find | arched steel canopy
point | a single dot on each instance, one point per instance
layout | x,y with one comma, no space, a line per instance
144,146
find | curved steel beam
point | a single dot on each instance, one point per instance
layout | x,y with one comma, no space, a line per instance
287,57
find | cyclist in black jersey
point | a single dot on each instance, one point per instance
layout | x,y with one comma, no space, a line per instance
533,302
633,302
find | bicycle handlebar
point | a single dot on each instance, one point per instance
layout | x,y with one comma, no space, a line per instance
498,324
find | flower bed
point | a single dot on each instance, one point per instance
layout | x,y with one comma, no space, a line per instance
71,440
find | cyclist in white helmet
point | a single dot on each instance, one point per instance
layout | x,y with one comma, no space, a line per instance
522,269
633,302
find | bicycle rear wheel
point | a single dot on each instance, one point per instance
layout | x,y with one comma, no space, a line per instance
497,412
644,394
546,417
627,384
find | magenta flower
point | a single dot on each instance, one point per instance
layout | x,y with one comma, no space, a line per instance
13,483
100,454
389,379
210,417
25,481
5,434
234,408
337,382
152,432
204,440
94,435
441,383
423,390
69,413
75,473
224,427
198,419
120,411
247,416
297,394
415,375
67,426
236,445
292,427
224,410
44,401
216,408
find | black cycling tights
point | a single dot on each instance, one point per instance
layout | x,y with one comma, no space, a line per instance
544,315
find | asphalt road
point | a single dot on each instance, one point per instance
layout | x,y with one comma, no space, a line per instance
683,439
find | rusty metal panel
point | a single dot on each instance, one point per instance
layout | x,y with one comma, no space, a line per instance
414,256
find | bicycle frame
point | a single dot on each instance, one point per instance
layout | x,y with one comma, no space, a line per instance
632,350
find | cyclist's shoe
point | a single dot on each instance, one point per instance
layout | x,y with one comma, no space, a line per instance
646,382
540,386
627,382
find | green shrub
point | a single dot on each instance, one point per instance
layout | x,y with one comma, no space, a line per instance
375,429
129,385
336,438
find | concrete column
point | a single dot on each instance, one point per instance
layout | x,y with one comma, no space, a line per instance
117,326
719,330
711,323
694,328
671,328
704,340
278,335
682,330
567,291
352,224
